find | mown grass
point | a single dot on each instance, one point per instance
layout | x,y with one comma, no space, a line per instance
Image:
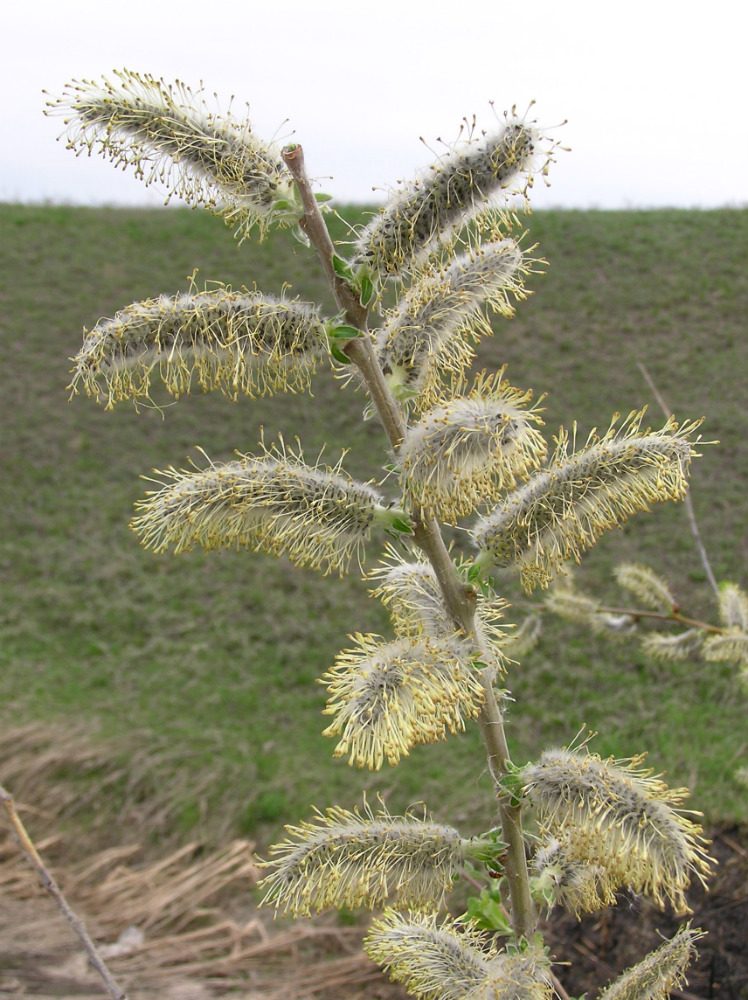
215,657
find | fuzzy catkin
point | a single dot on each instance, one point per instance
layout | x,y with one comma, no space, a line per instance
447,195
646,585
344,859
565,508
411,592
170,137
731,647
566,603
239,342
614,814
471,449
578,885
317,516
389,697
432,328
433,960
450,960
660,973
673,647
733,607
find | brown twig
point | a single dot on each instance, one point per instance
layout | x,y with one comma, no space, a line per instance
27,846
675,617
558,988
689,506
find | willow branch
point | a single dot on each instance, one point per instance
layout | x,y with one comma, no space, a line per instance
460,600
313,225
674,617
77,925
687,500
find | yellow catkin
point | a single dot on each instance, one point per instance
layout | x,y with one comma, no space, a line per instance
471,449
433,327
410,590
447,195
580,886
565,508
241,343
450,960
316,516
167,134
350,859
615,814
660,973
647,586
387,697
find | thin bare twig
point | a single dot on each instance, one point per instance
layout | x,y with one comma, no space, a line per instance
675,617
27,846
689,506
558,988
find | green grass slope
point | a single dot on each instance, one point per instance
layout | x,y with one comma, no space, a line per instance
208,663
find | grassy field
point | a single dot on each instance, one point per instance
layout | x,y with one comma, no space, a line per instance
204,667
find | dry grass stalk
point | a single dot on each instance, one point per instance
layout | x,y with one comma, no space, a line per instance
171,893
74,921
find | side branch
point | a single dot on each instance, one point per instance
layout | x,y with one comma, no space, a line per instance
672,617
687,500
27,846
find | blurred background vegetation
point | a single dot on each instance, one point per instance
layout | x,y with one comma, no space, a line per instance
196,673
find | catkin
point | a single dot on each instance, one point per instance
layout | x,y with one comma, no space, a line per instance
660,973
471,449
239,342
432,329
345,859
447,195
616,815
317,516
565,508
170,138
389,697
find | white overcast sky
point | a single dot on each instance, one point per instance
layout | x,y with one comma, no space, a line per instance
655,93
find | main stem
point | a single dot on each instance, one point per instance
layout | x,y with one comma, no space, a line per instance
460,600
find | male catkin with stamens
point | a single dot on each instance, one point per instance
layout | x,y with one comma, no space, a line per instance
161,130
446,196
243,343
316,515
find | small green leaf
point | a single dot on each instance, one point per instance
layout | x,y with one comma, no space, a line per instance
512,784
341,267
345,333
404,526
488,849
485,910
473,572
321,198
367,290
338,354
